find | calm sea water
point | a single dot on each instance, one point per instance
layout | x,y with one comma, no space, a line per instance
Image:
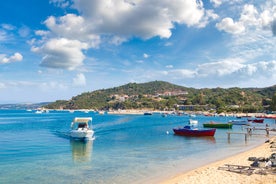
34,148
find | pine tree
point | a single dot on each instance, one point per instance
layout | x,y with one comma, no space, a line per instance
273,103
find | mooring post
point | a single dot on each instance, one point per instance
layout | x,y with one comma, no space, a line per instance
267,129
228,136
245,135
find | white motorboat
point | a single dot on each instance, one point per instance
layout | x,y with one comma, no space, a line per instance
81,128
239,122
193,122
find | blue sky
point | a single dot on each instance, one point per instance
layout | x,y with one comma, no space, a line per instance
57,49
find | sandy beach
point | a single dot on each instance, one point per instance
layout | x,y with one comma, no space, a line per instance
211,174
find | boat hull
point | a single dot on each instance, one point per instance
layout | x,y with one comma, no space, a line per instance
82,134
256,120
194,133
217,125
240,122
147,113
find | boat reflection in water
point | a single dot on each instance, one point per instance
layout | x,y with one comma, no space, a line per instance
209,139
206,139
81,150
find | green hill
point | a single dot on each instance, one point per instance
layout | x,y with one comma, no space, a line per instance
160,95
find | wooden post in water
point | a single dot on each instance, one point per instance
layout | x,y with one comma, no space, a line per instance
267,129
245,135
228,136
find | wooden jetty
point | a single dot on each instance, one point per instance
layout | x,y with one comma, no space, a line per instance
242,133
250,130
267,129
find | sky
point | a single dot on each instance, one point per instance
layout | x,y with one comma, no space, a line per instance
56,49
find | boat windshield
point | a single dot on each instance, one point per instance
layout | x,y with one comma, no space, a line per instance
79,126
81,123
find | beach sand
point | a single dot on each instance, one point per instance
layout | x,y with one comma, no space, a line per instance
210,174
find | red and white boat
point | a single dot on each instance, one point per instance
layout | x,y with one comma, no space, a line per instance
257,120
195,132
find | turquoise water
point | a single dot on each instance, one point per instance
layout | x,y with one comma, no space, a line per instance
34,148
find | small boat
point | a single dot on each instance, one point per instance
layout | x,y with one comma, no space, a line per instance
147,113
239,122
192,115
257,120
101,112
38,112
189,131
81,128
217,125
193,122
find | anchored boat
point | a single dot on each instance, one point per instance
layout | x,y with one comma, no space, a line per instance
256,120
190,131
239,122
217,125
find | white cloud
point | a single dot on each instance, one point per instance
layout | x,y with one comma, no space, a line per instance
224,73
24,31
79,80
3,35
14,58
8,27
168,44
220,68
216,3
140,61
41,33
116,40
249,15
266,19
209,15
113,22
73,27
2,85
145,55
182,73
62,53
251,18
62,46
60,3
236,68
274,27
140,18
48,86
228,25
40,91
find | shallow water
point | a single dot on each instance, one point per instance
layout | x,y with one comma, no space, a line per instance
35,148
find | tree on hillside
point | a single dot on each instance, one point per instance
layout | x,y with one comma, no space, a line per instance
273,103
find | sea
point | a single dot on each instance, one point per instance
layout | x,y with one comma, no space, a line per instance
35,148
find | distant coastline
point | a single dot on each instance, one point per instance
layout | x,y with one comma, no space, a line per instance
176,113
38,106
204,113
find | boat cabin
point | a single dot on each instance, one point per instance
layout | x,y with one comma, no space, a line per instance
81,123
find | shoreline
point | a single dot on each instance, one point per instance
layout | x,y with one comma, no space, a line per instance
166,112
211,174
190,113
